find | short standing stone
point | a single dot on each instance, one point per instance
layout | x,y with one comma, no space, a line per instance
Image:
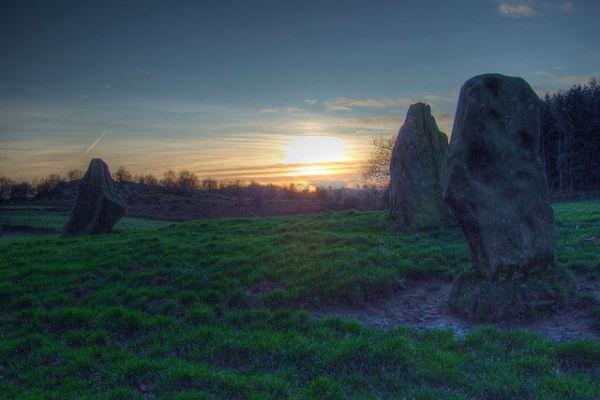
415,169
99,205
495,183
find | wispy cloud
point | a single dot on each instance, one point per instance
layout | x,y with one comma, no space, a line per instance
435,98
562,80
532,8
517,10
288,109
346,104
567,6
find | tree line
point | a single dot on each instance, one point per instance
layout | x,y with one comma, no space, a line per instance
570,139
182,182
569,143
187,183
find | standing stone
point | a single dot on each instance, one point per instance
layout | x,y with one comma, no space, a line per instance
99,204
496,185
415,169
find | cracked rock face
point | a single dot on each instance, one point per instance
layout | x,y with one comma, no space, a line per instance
415,170
494,180
99,204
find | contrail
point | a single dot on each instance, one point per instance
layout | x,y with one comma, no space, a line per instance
94,144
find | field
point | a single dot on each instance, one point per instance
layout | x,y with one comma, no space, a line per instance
27,221
226,308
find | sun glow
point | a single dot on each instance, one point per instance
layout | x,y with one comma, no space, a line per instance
315,149
314,155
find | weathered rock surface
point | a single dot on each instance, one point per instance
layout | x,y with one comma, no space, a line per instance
415,170
494,182
99,204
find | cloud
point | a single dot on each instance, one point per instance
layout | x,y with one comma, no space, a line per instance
310,102
434,98
567,7
560,80
346,104
288,109
517,10
544,74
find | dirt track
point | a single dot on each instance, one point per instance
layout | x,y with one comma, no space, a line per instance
423,305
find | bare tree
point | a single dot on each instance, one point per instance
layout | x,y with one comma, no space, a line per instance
169,181
187,182
209,184
122,175
74,175
147,179
376,170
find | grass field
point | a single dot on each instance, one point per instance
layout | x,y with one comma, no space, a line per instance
53,220
218,309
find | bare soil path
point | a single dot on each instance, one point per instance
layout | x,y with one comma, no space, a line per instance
423,305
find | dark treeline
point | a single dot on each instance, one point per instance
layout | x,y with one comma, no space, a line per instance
570,140
185,183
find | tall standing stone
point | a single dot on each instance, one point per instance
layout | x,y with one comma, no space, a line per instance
496,185
99,204
415,169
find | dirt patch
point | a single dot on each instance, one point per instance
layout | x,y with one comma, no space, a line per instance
424,305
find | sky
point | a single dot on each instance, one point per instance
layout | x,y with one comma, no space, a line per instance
273,91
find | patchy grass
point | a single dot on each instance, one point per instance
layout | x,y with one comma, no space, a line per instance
213,309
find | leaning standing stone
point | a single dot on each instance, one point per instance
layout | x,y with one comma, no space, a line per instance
496,187
99,205
415,167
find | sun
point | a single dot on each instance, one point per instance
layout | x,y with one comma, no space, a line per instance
315,149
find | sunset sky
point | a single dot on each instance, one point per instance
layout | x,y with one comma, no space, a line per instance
276,91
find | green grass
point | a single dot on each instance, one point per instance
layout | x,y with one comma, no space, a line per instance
46,217
175,312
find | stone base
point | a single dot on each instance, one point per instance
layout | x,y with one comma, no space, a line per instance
509,297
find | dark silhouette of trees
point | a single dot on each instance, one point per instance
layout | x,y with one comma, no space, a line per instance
46,184
122,175
5,188
187,182
210,184
20,191
570,139
148,180
169,181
